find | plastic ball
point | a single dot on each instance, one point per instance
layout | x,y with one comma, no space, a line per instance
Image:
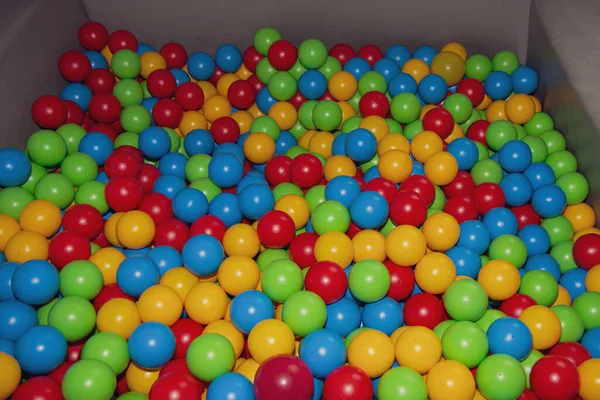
284,376
88,379
500,375
202,255
465,300
347,382
40,350
206,302
543,324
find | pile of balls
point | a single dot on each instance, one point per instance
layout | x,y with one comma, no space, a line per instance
292,222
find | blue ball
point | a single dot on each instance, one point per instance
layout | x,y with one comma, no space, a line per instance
15,167
500,221
40,350
165,258
425,53
232,148
225,170
361,145
432,89
230,386
369,210
323,351
264,100
8,347
148,104
78,93
225,207
284,142
249,308
198,141
387,68
574,281
312,84
400,54
7,270
151,345
591,341
96,145
154,142
342,189
202,255
543,262
357,66
255,201
418,168
318,392
402,83
136,274
143,48
372,173
466,261
384,315
343,316
180,76
16,318
498,85
338,147
465,151
242,139
35,282
536,239
169,185
510,336
189,205
228,58
517,189
515,156
96,58
249,180
201,66
173,164
539,174
136,252
524,80
474,235
549,201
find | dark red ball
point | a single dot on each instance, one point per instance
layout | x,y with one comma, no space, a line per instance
572,351
167,113
122,163
225,130
297,100
49,112
277,170
440,121
526,215
209,225
476,131
424,309
347,383
370,53
461,207
306,171
527,395
176,366
161,84
74,350
109,292
241,94
463,184
74,113
328,280
171,232
83,219
74,66
282,55
408,208
216,76
554,378
68,246
104,129
302,249
148,176
157,206
488,195
105,108
473,89
175,386
420,185
185,331
190,96
343,52
402,281
123,193
284,377
516,304
255,83
251,58
383,186
38,388
276,229
59,373
122,39
327,96
174,54
93,36
374,103
586,251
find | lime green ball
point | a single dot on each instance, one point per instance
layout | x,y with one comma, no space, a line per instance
355,101
488,318
297,130
126,64
108,347
82,279
127,139
575,186
79,168
555,141
571,323
94,247
351,124
44,310
90,380
57,189
304,312
539,150
466,343
402,383
37,171
562,252
487,170
459,106
331,66
312,53
175,139
387,227
206,186
315,196
265,124
74,317
509,248
443,327
264,38
373,162
281,279
92,193
209,356
499,133
439,201
129,92
588,306
413,128
264,70
269,255
295,151
528,362
465,300
405,108
144,85
562,162
133,396
46,148
478,67
372,82
135,118
297,70
13,200
72,135
505,61
540,286
353,334
330,216
559,229
475,116
500,377
540,123
327,115
369,281
394,126
285,188
483,151
305,114
282,86
197,167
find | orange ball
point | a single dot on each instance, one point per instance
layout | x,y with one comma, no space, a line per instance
347,111
216,107
151,61
376,125
296,207
339,165
416,68
208,88
342,85
544,325
405,245
393,142
457,132
456,48
41,216
108,260
259,148
244,119
321,144
395,165
160,303
8,227
425,144
24,246
441,168
241,240
500,279
496,111
484,103
180,280
441,231
135,229
305,138
192,120
284,114
519,109
449,65
110,229
140,379
206,302
120,316
369,245
581,216
224,82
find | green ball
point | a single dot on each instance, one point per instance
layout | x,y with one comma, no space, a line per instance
478,67
521,132
563,254
465,300
282,86
270,255
264,38
588,306
127,139
331,66
405,108
209,356
90,380
79,168
555,141
207,187
304,312
488,318
571,322
295,151
487,170
372,82
509,248
540,286
500,377
466,343
315,196
264,71
483,151
126,64
297,130
108,347
95,247
475,116
82,279
484,259
92,193
266,124
439,200
281,279
135,118
312,53
285,188
369,281
499,133
529,361
46,148
327,115
330,216
37,171
13,200
353,334
562,162
305,114
297,70
505,61
443,327
175,139
129,92
459,106
540,123
433,211
394,126
373,162
133,396
559,228
197,167
387,227
539,150
144,85
355,101
351,123
44,310
72,135
57,189
575,186
74,317
402,383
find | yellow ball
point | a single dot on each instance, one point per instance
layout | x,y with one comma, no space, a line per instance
425,144
151,61
296,207
244,119
520,108
192,120
215,107
224,82
435,273
41,216
457,132
284,114
135,229
24,246
450,66
496,111
405,245
304,139
581,216
269,338
484,103
563,299
243,72
456,48
441,231
376,125
241,240
544,325
500,279
339,165
416,68
585,231
110,229
107,54
441,168
11,375
248,369
226,329
538,104
418,348
347,111
369,245
393,141
397,334
372,351
140,379
592,279
120,316
426,108
8,227
180,280
450,380
336,247
589,378
259,148
160,303
255,111
395,165
108,261
208,89
206,302
321,143
342,85
237,274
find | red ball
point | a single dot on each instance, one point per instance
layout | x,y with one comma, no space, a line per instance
572,351
93,36
342,52
83,219
586,251
476,131
328,280
347,383
225,130
473,89
353,230
122,163
104,129
526,215
408,208
105,108
59,373
175,386
49,112
209,225
282,55
185,331
255,82
276,229
284,377
74,66
302,249
74,113
216,75
440,121
306,171
68,246
327,96
122,387
402,281
241,94
424,309
148,176
133,150
488,195
88,122
383,186
74,350
251,58
38,388
123,193
167,113
462,207
174,55
297,100
370,53
157,206
554,378
527,395
189,96
420,185
176,366
277,170
117,127
516,304
374,103
109,292
161,84
122,39
171,232
463,184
